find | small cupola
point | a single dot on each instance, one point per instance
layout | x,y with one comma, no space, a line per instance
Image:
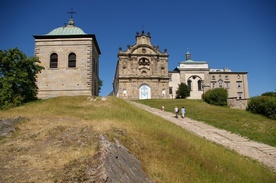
188,55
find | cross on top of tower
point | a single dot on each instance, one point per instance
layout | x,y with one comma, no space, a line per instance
71,12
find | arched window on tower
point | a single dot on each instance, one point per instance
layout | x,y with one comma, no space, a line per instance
72,60
53,60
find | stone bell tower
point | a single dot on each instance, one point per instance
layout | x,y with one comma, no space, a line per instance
71,61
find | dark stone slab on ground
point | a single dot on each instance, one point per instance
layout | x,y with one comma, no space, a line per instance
113,163
8,125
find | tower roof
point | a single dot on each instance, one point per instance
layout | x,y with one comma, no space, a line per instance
69,29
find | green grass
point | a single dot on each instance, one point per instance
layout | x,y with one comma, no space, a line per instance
252,126
55,144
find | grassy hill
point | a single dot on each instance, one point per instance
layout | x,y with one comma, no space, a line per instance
61,135
253,126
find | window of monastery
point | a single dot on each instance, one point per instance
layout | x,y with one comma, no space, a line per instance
213,78
220,83
239,84
239,95
72,60
53,60
227,85
213,85
238,76
226,77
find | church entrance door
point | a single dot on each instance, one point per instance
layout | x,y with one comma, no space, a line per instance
144,92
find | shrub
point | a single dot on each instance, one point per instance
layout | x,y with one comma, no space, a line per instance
264,105
217,96
183,91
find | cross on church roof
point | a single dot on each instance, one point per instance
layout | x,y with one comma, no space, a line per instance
71,12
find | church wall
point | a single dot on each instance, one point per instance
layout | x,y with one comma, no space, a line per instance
130,89
63,80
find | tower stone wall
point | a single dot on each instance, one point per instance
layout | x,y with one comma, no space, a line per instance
64,79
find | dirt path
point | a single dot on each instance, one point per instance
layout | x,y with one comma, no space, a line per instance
263,153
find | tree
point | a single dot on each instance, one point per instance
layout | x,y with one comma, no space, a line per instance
17,78
100,84
270,94
183,91
217,96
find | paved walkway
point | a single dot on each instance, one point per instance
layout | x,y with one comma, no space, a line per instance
263,153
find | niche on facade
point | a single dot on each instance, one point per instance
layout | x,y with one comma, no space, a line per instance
143,63
144,73
144,66
124,68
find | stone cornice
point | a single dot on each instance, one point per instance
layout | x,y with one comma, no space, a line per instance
70,36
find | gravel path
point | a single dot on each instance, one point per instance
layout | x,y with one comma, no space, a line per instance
263,153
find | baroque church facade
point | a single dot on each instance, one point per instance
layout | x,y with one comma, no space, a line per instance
71,61
142,73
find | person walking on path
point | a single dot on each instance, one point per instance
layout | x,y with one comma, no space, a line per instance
263,153
183,111
176,111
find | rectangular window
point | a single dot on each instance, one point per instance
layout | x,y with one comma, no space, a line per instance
226,77
227,85
170,90
213,78
239,84
239,95
220,83
213,85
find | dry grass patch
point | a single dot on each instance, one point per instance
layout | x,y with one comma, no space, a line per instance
62,134
45,146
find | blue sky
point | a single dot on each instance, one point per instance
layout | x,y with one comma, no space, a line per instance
237,34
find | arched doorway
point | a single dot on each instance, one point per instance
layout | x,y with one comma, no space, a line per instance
144,92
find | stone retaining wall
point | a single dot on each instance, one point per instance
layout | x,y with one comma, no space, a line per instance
236,103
